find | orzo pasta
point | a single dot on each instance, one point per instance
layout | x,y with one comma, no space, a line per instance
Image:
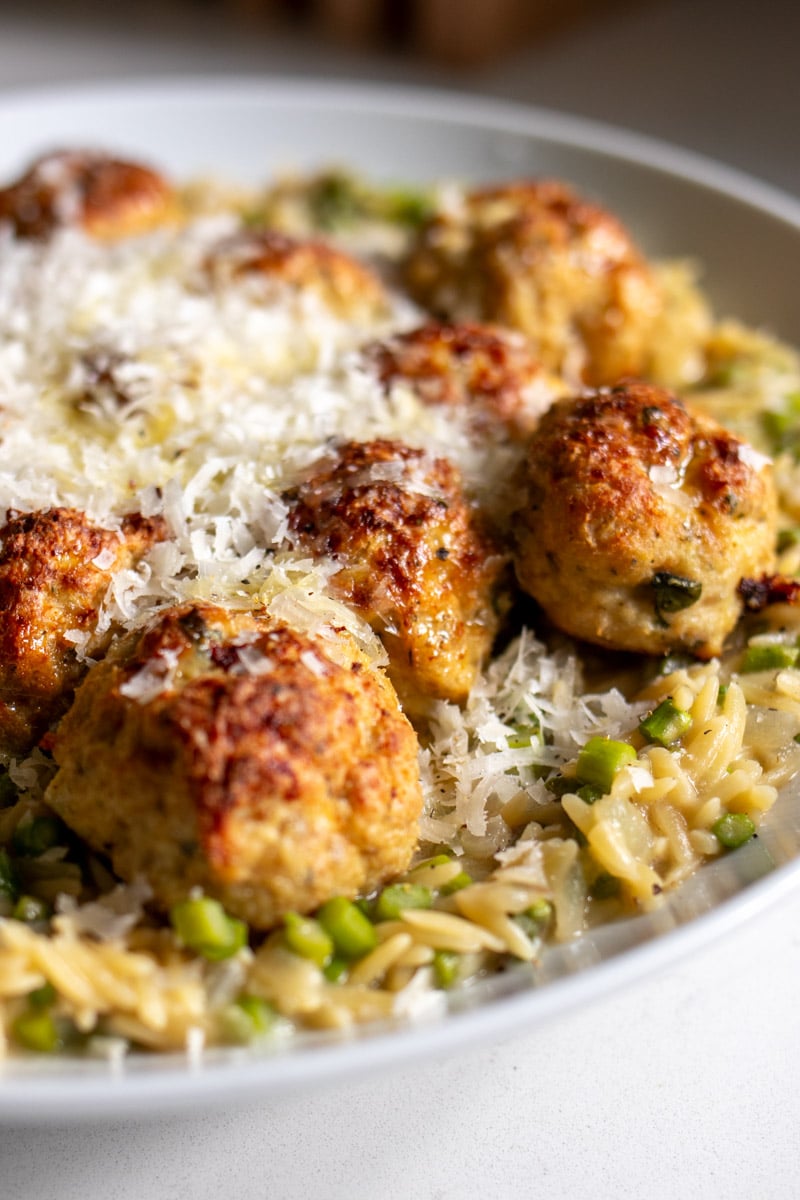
391,584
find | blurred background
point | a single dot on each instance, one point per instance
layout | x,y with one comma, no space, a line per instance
717,76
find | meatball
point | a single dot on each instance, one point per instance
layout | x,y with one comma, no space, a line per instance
414,560
107,197
345,286
640,520
55,568
221,750
538,258
486,375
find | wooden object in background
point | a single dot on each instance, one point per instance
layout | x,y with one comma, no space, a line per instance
456,32
468,31
356,21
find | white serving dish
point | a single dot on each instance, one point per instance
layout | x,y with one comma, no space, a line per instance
746,235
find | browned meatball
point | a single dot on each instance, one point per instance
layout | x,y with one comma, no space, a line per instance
485,374
641,519
107,197
536,257
415,561
221,750
55,568
344,285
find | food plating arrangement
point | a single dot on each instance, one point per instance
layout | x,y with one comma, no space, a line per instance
394,583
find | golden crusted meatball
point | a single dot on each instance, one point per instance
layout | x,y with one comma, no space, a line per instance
107,197
486,374
342,283
221,750
55,568
641,519
537,257
415,561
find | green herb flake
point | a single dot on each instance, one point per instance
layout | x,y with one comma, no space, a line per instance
673,593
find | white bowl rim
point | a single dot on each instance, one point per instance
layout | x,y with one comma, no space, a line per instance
464,108
186,1085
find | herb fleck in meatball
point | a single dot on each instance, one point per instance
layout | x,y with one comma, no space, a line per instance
536,257
258,257
106,197
221,750
486,375
641,518
55,568
414,560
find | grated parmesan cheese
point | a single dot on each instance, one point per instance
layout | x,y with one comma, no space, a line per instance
129,381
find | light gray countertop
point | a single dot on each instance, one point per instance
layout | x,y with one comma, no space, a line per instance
684,1084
